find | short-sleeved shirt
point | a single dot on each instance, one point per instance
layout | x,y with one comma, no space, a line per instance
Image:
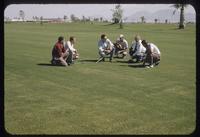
70,46
103,45
138,48
58,50
154,48
123,43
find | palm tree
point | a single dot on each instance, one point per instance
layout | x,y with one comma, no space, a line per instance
22,14
182,18
166,21
155,20
41,20
65,18
142,19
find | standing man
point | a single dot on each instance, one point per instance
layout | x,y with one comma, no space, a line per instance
121,46
137,50
59,53
105,47
73,54
152,54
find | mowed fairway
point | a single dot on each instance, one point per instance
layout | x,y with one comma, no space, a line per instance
103,98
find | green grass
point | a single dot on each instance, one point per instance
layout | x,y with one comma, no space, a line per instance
104,98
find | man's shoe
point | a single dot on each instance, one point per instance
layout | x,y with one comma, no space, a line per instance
130,61
151,66
157,63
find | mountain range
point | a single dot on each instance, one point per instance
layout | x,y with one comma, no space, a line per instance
161,15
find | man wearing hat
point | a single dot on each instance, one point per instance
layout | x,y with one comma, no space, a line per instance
105,47
121,46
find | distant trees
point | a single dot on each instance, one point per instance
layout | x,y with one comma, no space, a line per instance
22,14
96,19
74,18
182,18
65,18
35,18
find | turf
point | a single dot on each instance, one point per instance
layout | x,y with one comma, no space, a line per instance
98,98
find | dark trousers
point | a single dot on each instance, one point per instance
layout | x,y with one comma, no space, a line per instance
70,57
152,58
103,54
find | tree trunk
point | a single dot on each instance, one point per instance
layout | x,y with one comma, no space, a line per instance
121,25
181,23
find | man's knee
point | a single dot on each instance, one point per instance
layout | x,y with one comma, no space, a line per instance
125,53
102,54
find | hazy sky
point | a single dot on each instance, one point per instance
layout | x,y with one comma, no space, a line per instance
92,10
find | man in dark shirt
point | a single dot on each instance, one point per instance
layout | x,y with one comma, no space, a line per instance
59,53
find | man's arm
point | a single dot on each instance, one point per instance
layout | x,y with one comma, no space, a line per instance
110,43
70,46
100,46
60,50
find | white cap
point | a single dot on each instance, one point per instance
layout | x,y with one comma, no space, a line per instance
121,35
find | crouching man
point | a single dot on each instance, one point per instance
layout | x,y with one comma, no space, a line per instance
153,54
59,53
73,53
106,48
137,50
121,46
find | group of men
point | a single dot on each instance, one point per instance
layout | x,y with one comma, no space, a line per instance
64,53
140,50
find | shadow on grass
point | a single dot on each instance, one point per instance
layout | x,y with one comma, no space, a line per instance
175,28
88,60
49,64
109,24
134,65
118,57
122,61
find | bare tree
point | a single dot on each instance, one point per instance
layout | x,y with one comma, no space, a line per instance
117,14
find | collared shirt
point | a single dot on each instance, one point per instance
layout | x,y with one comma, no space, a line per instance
103,45
123,43
70,46
139,48
58,50
154,48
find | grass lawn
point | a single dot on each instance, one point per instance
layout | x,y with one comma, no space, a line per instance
103,98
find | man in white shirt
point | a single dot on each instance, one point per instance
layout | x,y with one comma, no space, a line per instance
153,54
105,47
121,46
73,54
137,50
